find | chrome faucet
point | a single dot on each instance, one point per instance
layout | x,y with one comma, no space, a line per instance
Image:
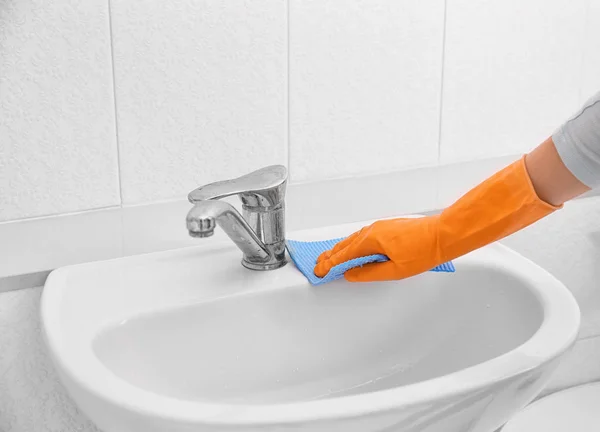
260,233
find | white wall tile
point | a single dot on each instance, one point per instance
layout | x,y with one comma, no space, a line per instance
365,80
512,74
201,92
32,397
57,133
591,59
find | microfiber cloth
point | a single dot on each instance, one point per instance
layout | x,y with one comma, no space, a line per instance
305,254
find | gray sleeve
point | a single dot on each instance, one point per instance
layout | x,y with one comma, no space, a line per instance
578,143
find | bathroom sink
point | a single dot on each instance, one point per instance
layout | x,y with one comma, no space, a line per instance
189,340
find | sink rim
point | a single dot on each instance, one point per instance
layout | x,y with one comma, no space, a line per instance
555,335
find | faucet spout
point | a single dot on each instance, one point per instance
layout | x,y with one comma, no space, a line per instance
260,232
203,217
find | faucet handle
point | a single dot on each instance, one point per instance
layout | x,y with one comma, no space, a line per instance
262,188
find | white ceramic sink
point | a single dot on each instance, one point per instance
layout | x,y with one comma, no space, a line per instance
189,340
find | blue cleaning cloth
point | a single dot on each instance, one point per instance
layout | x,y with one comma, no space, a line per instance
305,254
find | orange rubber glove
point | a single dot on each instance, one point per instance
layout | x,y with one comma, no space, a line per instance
499,206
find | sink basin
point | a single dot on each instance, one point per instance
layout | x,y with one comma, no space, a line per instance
189,340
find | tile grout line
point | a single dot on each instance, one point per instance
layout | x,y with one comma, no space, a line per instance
441,102
359,176
586,30
114,82
441,98
287,88
57,215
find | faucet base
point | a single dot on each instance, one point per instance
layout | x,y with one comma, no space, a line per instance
262,267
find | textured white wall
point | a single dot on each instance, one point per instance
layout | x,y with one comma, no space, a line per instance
512,74
57,118
208,89
32,399
365,83
591,57
201,92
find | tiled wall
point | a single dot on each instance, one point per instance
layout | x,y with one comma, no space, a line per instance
58,144
365,80
512,74
109,103
201,92
591,54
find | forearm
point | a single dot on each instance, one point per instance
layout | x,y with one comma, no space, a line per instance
568,164
553,182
